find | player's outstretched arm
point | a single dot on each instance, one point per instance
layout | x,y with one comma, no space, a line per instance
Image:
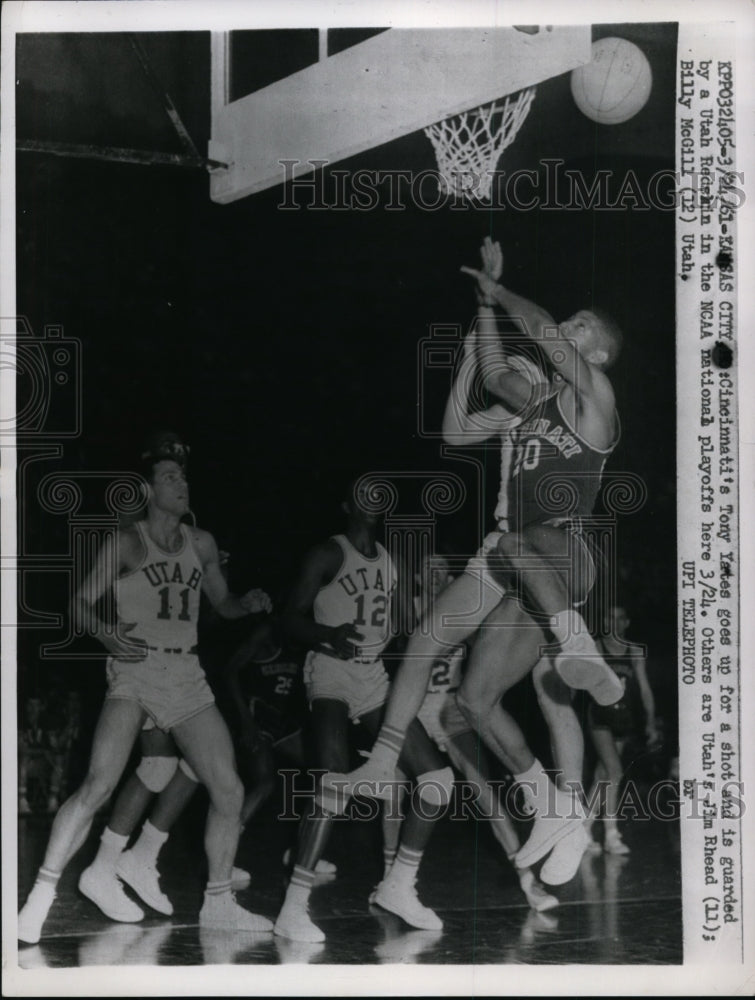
319,568
461,424
502,377
536,323
214,584
115,556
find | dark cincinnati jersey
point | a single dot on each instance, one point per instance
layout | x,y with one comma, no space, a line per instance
623,663
555,472
274,691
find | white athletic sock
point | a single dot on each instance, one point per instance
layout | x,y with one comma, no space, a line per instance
217,896
535,784
547,798
388,746
112,845
149,844
404,868
34,911
41,895
300,886
218,888
47,878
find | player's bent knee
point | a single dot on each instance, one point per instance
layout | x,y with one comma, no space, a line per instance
235,789
471,706
435,787
155,773
188,770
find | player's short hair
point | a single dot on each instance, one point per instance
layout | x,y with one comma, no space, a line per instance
162,446
612,339
607,613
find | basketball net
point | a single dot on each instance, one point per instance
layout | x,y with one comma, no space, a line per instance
468,146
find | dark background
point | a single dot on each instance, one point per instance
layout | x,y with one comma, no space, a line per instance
283,345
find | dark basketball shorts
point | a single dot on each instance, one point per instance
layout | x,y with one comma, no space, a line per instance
619,719
275,724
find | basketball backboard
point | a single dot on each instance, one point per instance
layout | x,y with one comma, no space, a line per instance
394,83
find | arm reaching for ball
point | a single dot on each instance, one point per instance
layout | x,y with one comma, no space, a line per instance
462,426
514,383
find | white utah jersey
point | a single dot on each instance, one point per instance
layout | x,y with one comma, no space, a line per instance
161,596
360,594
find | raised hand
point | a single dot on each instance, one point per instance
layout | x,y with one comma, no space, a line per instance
492,258
492,268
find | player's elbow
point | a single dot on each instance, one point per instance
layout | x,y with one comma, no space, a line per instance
496,383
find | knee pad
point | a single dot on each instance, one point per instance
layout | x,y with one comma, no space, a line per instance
435,787
188,770
155,772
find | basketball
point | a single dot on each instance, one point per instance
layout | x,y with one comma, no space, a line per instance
615,85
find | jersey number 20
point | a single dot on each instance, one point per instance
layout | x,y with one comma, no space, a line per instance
527,456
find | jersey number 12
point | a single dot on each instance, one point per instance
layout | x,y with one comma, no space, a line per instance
378,611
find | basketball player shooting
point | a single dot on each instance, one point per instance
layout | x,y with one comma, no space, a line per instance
575,409
561,446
